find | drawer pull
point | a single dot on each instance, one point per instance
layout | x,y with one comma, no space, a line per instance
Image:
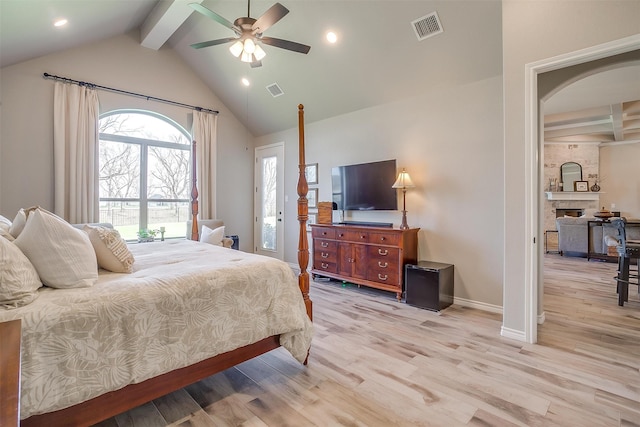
324,233
324,244
324,255
382,239
341,235
324,265
383,251
382,276
383,264
363,236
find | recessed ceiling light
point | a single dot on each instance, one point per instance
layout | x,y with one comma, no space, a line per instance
332,37
60,22
245,81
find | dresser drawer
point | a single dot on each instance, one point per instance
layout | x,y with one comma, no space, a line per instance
329,267
353,236
324,255
388,277
385,238
382,253
324,245
323,232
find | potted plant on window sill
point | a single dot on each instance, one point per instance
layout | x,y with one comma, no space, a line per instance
146,235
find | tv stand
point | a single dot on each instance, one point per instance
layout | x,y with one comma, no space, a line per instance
368,256
367,224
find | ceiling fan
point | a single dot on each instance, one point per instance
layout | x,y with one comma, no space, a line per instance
249,32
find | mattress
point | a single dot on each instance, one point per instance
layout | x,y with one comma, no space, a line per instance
184,302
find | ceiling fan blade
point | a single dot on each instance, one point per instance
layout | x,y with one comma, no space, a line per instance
212,42
270,17
211,14
256,64
286,44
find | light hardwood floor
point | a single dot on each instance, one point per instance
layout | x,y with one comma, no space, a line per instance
377,362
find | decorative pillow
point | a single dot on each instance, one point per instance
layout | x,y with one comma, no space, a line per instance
62,255
5,233
111,250
5,223
19,281
210,236
18,223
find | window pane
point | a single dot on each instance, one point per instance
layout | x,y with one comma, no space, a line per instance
269,203
168,173
173,216
125,217
119,170
142,126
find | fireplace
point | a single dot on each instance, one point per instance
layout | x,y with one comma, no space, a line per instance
576,212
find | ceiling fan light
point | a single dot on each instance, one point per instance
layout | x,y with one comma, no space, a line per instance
246,57
249,46
259,53
236,48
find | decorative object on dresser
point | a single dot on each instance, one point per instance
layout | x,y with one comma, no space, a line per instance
325,212
369,256
403,182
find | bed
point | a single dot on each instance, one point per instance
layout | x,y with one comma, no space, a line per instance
188,310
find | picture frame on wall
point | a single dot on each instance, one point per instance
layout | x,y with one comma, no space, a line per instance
312,197
311,220
311,173
581,186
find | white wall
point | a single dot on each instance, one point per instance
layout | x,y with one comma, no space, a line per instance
620,180
533,31
450,142
26,172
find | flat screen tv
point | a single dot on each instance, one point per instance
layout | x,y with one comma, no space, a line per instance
365,186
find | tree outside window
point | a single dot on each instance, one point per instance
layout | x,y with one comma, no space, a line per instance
145,173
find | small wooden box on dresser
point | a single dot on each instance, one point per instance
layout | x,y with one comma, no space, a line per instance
364,255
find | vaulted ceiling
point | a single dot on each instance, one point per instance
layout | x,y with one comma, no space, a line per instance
377,60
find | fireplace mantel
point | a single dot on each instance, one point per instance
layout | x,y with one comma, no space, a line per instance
573,195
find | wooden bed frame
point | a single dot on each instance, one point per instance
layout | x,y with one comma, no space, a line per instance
119,401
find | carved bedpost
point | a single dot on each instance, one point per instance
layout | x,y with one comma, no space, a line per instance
303,216
194,196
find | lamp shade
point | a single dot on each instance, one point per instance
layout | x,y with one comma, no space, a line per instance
403,181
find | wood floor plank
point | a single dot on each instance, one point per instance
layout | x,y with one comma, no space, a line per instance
377,362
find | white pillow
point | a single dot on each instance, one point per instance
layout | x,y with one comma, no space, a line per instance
210,236
18,223
111,250
19,281
62,255
5,223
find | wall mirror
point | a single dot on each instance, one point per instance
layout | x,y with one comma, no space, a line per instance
570,172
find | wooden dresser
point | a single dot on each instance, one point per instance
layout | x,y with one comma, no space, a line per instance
369,256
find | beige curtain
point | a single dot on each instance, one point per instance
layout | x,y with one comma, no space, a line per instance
75,152
205,135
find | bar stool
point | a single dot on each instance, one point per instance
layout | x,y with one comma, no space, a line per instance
627,250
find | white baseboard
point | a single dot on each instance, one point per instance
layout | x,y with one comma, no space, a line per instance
478,305
541,318
513,334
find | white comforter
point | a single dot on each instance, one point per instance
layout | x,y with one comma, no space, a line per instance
184,302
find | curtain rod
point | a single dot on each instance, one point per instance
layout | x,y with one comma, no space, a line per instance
139,95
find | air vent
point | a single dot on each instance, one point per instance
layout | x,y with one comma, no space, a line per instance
275,90
427,26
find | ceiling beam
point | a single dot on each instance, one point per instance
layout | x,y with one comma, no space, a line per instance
616,121
163,21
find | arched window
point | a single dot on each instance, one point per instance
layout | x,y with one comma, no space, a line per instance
145,178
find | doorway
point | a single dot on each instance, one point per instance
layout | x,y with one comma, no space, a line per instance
588,61
269,201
